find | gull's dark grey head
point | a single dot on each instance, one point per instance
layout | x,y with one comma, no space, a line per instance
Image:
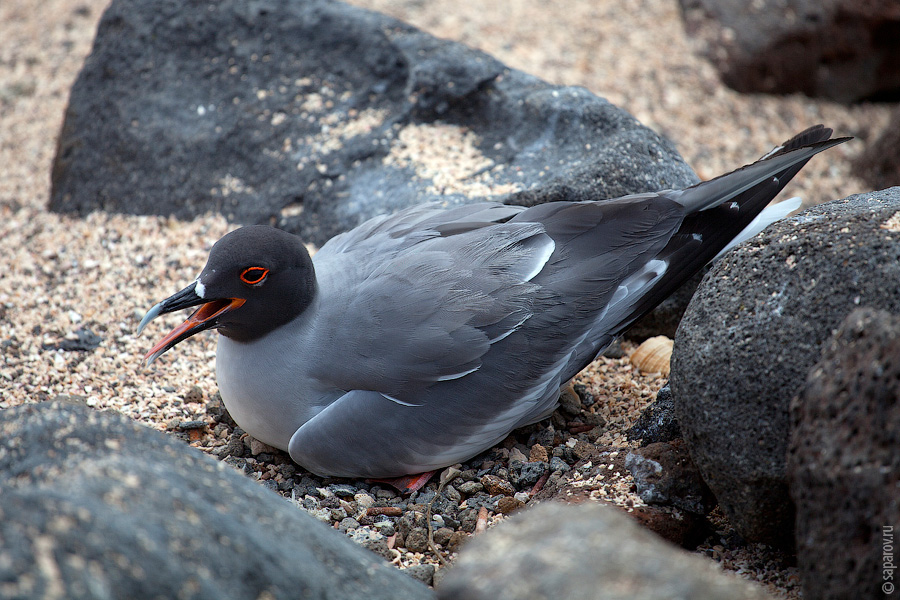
257,278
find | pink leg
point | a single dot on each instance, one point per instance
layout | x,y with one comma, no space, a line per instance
407,484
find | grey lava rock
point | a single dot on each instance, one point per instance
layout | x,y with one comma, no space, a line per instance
423,572
844,50
93,505
585,551
658,422
664,474
755,328
523,475
844,464
310,114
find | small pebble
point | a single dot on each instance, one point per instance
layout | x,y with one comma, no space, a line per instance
188,425
194,394
508,504
288,470
452,494
495,485
258,447
423,497
372,541
516,454
384,494
467,519
347,524
558,464
538,454
469,487
338,514
390,511
449,474
385,528
442,536
322,514
468,475
417,540
422,572
364,500
342,490
456,540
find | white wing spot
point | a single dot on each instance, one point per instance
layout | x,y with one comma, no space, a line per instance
450,377
400,402
542,259
506,334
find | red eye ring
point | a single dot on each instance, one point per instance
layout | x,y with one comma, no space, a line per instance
254,275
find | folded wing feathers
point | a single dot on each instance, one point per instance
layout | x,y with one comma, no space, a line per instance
482,280
495,268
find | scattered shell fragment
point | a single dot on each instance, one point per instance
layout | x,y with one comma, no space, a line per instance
653,355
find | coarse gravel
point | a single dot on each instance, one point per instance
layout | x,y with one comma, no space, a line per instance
67,279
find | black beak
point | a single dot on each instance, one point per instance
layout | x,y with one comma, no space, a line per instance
205,317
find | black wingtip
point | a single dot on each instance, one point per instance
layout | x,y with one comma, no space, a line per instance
711,215
810,135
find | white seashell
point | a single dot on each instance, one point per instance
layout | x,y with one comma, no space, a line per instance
653,355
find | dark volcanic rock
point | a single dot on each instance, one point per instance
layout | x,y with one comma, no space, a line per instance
879,163
93,505
582,552
844,464
314,115
658,422
664,474
751,334
845,50
680,527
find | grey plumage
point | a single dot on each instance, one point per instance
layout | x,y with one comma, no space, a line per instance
419,339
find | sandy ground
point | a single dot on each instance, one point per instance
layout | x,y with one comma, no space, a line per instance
58,274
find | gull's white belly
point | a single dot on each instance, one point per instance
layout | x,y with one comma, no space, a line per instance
264,390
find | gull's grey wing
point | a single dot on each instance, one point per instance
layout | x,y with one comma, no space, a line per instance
425,306
410,314
363,434
395,231
466,335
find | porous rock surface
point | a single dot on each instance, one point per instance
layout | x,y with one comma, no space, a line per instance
658,422
315,115
664,474
585,551
93,505
755,328
844,464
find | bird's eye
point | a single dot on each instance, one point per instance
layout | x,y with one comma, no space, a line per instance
254,275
